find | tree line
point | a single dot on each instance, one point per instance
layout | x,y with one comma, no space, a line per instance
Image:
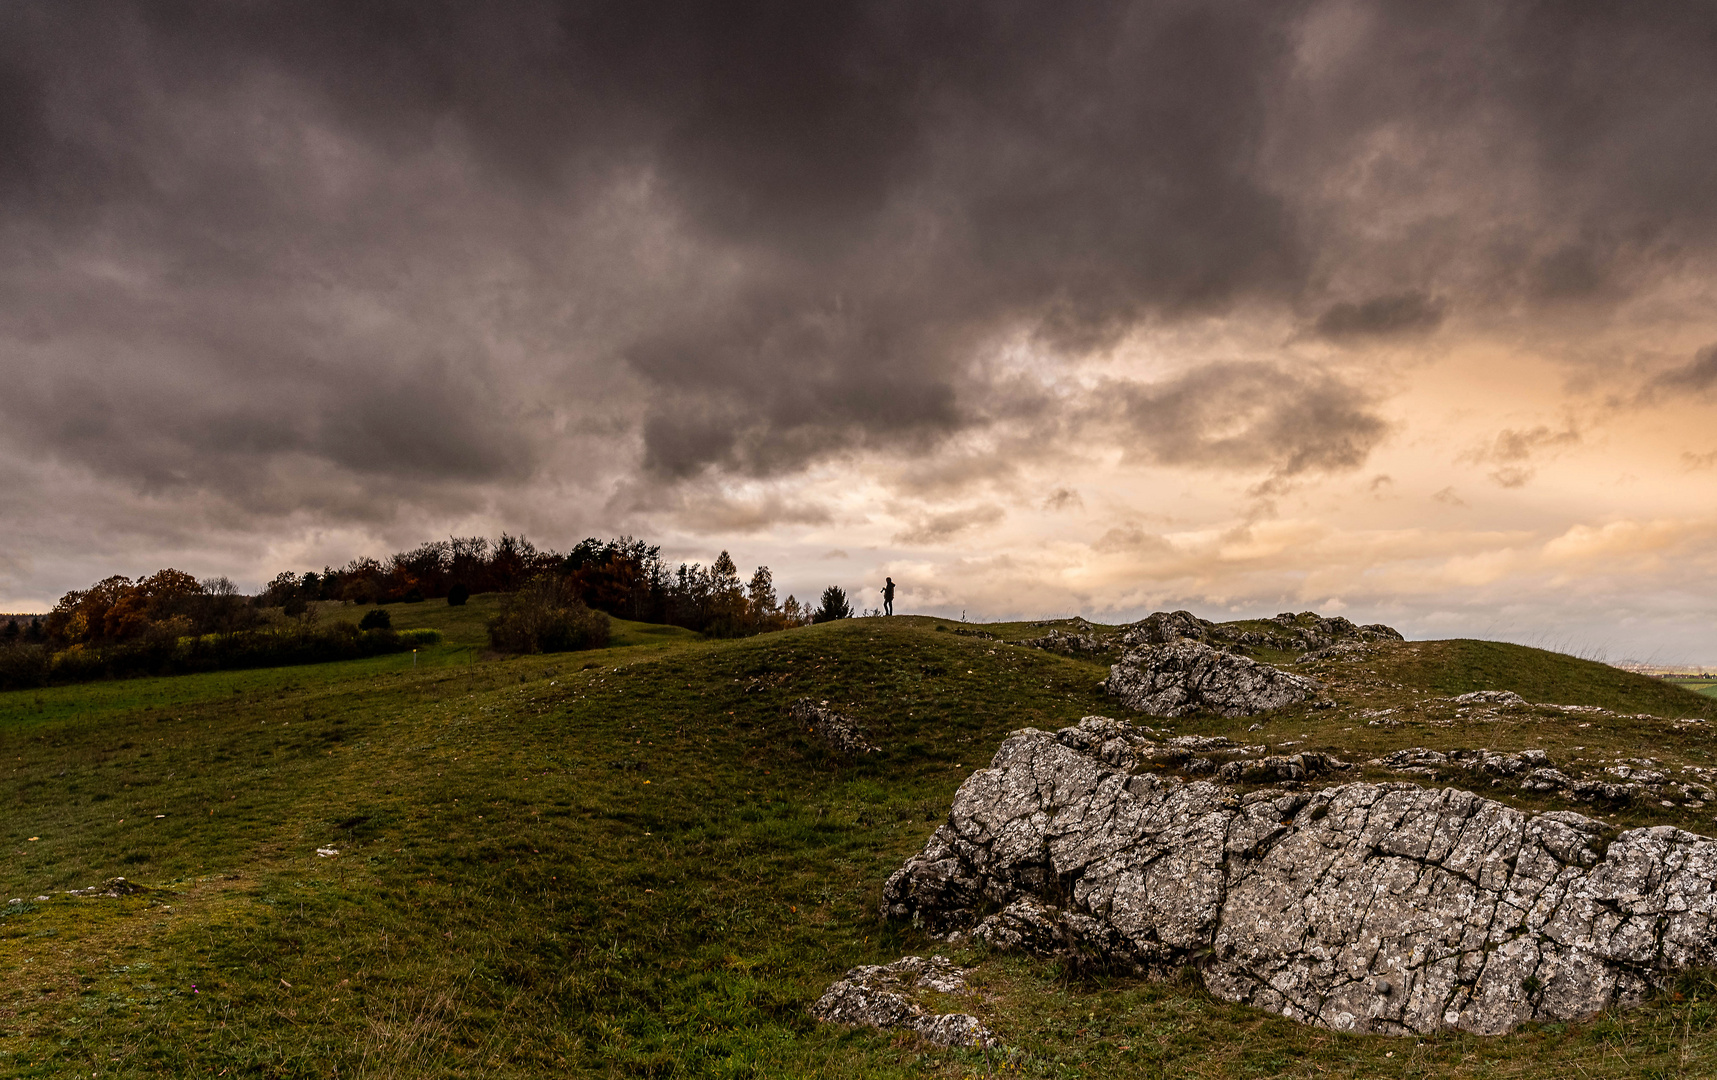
170,621
623,577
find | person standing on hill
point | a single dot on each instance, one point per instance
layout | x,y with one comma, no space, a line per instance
888,597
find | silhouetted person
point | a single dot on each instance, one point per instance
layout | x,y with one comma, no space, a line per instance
888,598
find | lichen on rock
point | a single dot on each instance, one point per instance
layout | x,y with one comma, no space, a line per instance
1389,908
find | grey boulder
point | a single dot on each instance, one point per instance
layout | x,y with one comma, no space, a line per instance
1187,676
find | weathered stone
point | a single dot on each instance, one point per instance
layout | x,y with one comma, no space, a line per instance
1279,768
842,734
1489,697
1166,628
112,887
1066,643
1538,774
879,996
1188,677
1337,651
1477,915
1490,762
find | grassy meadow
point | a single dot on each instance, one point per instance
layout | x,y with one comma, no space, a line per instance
630,863
1708,687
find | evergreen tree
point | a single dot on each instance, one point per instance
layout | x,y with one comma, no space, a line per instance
834,605
765,613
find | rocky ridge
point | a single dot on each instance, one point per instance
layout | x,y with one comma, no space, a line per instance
1173,663
1368,907
1287,632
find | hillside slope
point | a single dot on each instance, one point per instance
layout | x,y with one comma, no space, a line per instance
632,862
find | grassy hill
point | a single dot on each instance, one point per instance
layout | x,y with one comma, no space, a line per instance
631,863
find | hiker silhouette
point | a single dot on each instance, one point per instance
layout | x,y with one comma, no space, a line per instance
888,598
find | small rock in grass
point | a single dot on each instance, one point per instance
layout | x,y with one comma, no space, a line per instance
842,733
877,995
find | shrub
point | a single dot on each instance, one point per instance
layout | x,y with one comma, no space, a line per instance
457,595
295,605
22,666
546,616
834,606
415,596
377,619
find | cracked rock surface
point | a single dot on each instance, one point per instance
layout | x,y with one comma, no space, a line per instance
1389,908
881,996
1187,676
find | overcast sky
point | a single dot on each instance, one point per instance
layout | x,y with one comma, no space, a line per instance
1398,310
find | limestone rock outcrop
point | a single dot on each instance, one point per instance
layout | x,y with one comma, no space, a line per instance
1284,633
1187,676
1362,907
1166,628
881,996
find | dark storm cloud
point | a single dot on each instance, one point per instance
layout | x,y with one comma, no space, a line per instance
1249,415
407,240
1406,313
1697,376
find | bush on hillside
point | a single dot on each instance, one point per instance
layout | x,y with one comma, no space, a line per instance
547,616
415,596
23,665
26,665
834,606
377,619
457,596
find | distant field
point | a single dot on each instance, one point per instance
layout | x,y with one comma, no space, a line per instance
631,863
1708,687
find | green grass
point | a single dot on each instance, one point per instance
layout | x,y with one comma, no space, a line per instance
1708,687
630,863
